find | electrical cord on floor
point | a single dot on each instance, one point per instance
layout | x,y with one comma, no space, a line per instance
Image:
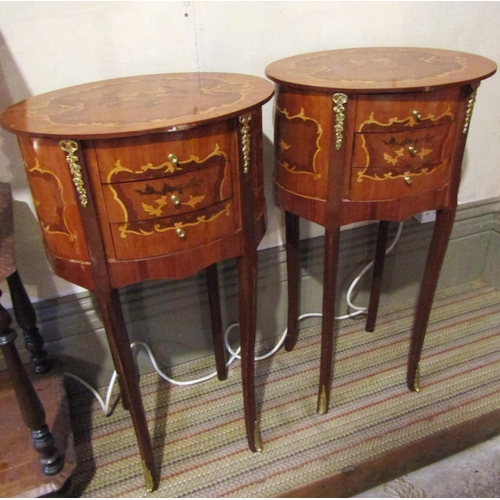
106,404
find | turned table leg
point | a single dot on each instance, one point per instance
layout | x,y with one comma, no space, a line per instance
247,275
378,271
435,257
293,274
31,408
108,301
328,323
216,321
26,319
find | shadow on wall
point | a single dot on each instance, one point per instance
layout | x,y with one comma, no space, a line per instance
12,89
31,261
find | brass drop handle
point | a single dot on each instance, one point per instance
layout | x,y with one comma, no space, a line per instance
417,116
180,232
175,200
408,180
413,151
173,159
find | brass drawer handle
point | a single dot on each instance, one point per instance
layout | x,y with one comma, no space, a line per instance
175,200
180,232
417,116
408,180
413,151
173,159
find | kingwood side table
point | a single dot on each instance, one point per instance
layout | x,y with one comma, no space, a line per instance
370,134
151,177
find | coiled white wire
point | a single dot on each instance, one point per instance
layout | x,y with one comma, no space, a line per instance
106,404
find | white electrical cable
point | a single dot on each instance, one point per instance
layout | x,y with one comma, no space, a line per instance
106,404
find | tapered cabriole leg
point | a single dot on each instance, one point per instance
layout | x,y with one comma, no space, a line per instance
328,324
293,276
378,271
435,258
216,321
247,273
114,325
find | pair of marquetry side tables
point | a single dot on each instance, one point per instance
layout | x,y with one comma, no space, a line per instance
161,176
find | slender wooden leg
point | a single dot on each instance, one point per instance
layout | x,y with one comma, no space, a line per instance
216,321
247,274
31,408
435,258
112,317
378,271
26,319
328,322
293,277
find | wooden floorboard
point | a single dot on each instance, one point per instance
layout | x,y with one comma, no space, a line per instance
401,461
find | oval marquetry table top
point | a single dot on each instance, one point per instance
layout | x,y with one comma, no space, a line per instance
389,69
137,105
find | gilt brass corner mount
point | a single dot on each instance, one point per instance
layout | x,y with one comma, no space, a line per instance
71,147
339,100
245,140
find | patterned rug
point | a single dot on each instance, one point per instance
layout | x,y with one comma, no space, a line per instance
198,431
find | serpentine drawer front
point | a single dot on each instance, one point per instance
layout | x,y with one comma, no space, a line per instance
370,134
151,177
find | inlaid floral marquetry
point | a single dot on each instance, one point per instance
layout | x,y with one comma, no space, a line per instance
291,156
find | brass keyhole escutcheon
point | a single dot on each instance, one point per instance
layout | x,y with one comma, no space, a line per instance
175,200
413,151
173,159
417,116
180,232
408,180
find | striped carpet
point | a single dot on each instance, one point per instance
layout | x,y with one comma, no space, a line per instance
198,431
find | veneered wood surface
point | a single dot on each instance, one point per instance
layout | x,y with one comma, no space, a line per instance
380,69
147,157
137,105
378,113
55,199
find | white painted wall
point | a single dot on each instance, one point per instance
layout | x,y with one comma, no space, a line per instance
49,45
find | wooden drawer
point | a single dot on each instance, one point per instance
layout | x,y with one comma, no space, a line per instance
155,198
397,153
393,187
394,112
142,239
160,155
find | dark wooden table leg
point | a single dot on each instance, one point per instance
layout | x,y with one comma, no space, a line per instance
31,408
293,275
328,323
247,277
109,304
26,319
435,257
216,321
378,271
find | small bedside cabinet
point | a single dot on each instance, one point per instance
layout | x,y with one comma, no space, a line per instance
370,134
151,177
